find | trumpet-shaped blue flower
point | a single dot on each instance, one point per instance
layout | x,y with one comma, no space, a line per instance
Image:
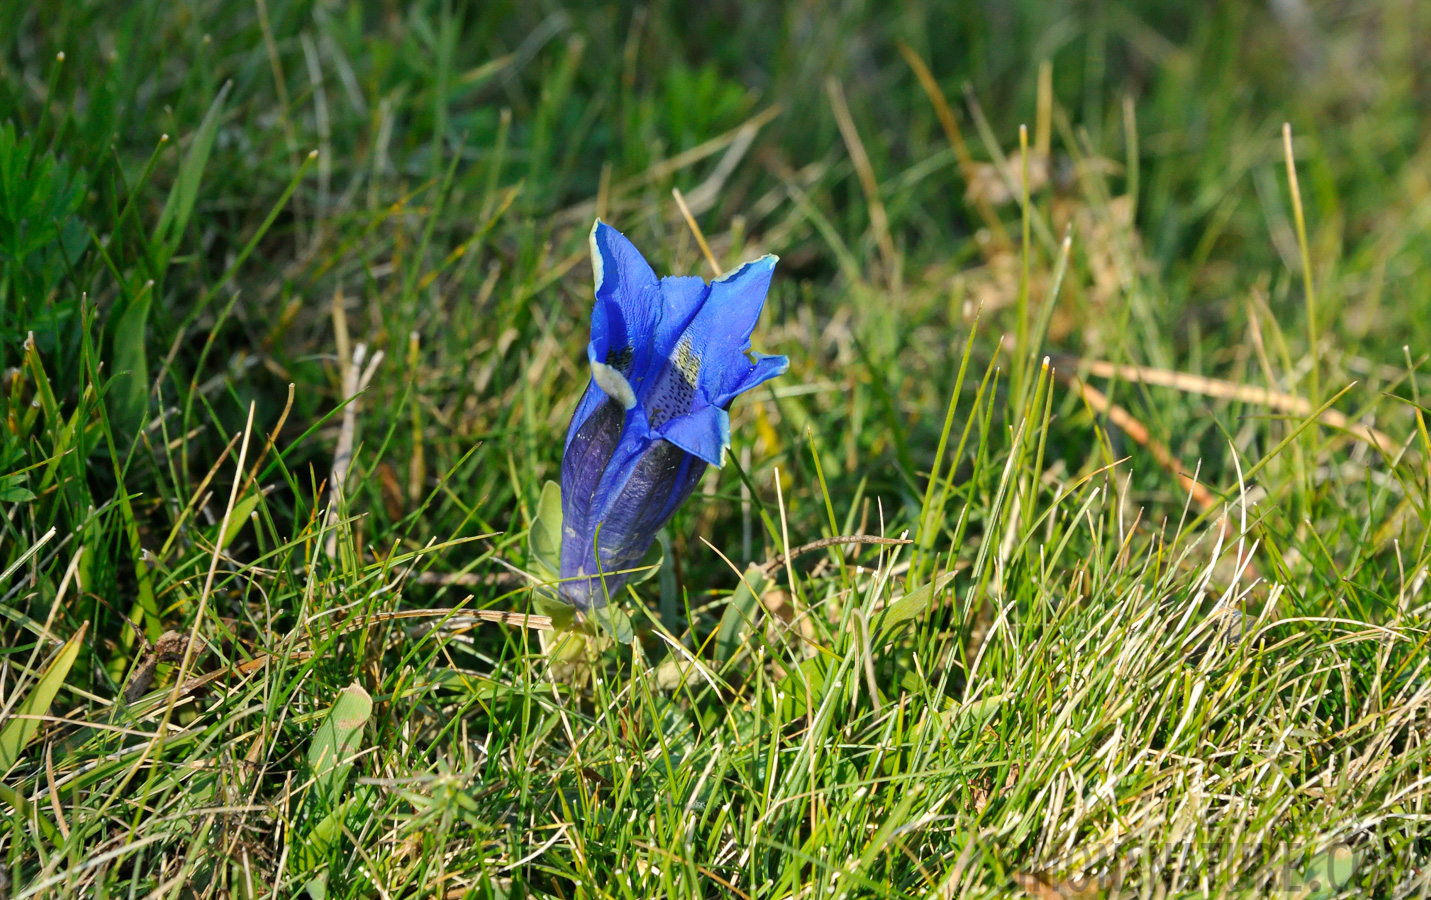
667,358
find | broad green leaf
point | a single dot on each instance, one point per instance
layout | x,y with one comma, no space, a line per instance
912,604
739,614
335,742
1328,872
22,727
322,838
544,540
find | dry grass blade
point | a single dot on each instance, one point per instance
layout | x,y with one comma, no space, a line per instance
770,566
243,669
1140,435
356,377
879,218
696,230
967,166
740,136
1227,390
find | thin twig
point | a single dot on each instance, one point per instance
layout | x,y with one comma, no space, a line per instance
467,579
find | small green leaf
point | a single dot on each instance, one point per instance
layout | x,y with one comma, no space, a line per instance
1328,872
317,886
13,490
21,729
546,602
329,759
567,649
544,539
324,835
335,742
739,614
239,518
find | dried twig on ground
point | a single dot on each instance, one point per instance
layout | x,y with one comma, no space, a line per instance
169,648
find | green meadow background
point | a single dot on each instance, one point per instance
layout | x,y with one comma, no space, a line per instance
1109,437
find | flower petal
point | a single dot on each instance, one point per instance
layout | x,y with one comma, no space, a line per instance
719,334
762,370
704,433
667,357
589,449
659,483
628,302
620,505
611,381
681,299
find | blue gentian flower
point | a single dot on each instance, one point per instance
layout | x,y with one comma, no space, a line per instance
667,358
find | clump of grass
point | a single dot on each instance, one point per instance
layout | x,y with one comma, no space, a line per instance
1080,551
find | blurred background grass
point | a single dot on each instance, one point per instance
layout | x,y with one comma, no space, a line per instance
206,206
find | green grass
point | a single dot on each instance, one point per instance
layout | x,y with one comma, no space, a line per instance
1076,674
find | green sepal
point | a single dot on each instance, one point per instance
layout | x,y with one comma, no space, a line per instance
544,540
614,622
546,602
650,564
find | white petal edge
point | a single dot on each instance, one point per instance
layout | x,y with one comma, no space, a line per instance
598,267
769,260
610,380
756,357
